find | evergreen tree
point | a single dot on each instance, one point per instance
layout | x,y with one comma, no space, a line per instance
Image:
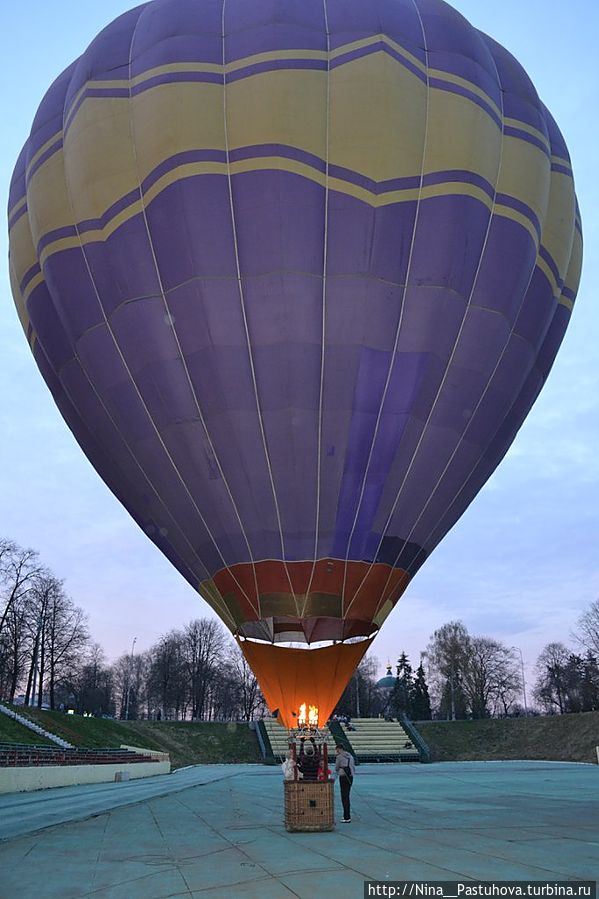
421,703
400,701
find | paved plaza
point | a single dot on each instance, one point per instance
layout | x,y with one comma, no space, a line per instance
217,831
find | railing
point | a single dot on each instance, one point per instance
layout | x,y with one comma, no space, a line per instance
26,756
260,738
341,738
265,744
421,745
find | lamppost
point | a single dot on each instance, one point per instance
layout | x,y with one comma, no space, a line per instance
129,680
523,679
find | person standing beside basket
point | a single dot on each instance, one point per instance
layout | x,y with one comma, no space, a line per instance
345,767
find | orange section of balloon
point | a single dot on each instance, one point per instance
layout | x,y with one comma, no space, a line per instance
291,678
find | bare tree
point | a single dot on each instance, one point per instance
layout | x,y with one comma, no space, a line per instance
88,686
203,645
245,684
551,686
94,683
587,633
37,611
166,680
491,666
508,690
19,571
14,650
447,657
65,638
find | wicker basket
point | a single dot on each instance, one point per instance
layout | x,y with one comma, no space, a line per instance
309,806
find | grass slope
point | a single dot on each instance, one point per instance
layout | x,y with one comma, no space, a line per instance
13,732
193,743
92,733
563,738
557,737
189,743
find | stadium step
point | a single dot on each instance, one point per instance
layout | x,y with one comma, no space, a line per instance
368,739
36,728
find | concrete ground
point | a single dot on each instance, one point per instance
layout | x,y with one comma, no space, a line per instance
217,831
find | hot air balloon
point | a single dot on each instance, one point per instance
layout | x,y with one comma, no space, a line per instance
294,272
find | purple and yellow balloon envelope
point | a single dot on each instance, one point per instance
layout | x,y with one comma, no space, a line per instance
295,271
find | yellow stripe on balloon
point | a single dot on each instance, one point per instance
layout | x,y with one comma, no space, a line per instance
180,173
369,66
529,129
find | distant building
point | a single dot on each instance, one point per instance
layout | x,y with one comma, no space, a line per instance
387,682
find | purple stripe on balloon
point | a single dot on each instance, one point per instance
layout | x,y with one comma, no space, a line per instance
29,275
273,65
106,92
509,131
291,153
16,193
89,224
519,206
464,92
57,145
375,187
568,293
42,133
462,175
544,254
177,77
563,169
185,158
119,206
378,47
14,218
261,150
57,234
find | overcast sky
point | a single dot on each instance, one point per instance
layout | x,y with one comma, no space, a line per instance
521,564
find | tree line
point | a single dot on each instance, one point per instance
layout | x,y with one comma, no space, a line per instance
461,675
48,658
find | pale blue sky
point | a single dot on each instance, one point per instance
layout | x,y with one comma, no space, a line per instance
521,564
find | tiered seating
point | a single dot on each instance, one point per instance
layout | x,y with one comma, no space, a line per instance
279,742
16,755
376,740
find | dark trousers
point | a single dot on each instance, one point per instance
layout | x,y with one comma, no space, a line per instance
345,787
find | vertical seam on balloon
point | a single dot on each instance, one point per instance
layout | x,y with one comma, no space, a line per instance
126,367
324,304
117,431
397,333
171,324
504,418
446,372
245,322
